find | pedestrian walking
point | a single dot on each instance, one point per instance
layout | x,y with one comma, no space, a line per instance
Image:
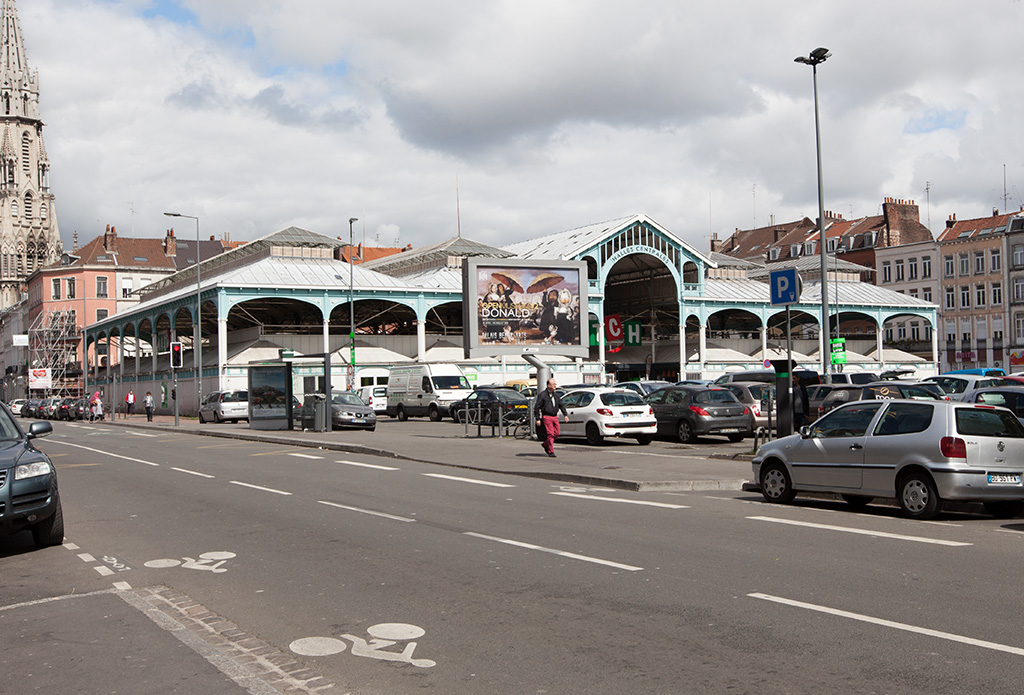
147,402
97,408
547,406
129,403
800,404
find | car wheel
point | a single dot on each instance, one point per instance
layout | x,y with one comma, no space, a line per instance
216,417
202,421
776,485
685,432
1005,509
594,437
371,429
435,414
918,497
737,437
50,531
857,501
402,417
644,439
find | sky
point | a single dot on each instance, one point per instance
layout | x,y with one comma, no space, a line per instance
509,120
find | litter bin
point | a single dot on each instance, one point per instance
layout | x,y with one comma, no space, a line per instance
314,412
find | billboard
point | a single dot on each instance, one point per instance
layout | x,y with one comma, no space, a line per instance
39,379
513,306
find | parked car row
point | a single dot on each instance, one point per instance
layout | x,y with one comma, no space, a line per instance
54,408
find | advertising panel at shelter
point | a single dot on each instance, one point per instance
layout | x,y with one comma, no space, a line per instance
514,306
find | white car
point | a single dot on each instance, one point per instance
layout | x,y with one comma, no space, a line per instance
955,385
16,404
221,406
596,413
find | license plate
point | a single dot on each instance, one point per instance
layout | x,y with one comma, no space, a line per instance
1004,478
729,429
359,421
632,414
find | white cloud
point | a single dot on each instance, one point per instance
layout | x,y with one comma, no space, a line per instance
259,114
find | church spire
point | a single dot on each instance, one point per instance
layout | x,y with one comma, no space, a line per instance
19,86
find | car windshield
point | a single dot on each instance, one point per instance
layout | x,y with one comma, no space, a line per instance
346,399
714,396
450,382
922,392
988,422
624,398
509,396
236,396
8,428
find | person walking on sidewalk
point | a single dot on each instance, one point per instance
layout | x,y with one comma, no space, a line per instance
129,404
147,402
547,406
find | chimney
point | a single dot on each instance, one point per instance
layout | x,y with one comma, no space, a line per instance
109,239
170,244
716,243
951,222
778,234
360,253
902,218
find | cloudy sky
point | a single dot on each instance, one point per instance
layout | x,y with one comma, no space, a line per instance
538,115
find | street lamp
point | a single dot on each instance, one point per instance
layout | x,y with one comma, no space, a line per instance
818,56
199,323
351,306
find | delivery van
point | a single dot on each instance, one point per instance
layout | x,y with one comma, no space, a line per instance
425,389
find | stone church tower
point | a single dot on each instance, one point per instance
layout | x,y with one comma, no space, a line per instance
29,238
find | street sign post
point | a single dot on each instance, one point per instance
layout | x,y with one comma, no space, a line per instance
785,286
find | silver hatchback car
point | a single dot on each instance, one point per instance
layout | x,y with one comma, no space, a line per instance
221,406
920,452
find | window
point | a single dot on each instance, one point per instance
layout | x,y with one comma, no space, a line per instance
55,291
1018,255
888,335
980,295
126,288
1018,289
773,254
947,266
1018,327
101,314
965,264
912,268
926,294
905,418
979,262
951,297
899,271
832,245
995,261
886,272
967,338
901,332
809,248
71,288
926,267
965,296
913,293
997,294
101,287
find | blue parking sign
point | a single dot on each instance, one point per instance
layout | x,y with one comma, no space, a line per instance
785,286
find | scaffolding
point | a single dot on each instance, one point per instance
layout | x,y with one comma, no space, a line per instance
53,340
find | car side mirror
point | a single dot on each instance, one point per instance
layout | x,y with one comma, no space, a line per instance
39,429
805,432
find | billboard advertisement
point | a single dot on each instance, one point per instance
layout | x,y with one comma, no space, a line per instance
39,379
514,306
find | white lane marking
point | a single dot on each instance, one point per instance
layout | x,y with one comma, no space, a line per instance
862,532
201,475
104,453
890,623
86,557
122,586
259,487
104,571
140,434
306,456
663,505
366,511
466,480
71,546
369,465
562,553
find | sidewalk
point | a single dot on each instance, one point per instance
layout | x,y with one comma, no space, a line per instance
664,465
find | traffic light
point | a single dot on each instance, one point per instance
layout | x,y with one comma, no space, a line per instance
177,356
174,394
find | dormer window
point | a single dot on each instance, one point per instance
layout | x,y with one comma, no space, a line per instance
809,248
869,239
773,253
833,244
794,250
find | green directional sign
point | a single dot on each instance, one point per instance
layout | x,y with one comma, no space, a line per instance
838,346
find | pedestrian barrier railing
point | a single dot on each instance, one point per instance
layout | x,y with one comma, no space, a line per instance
762,435
497,420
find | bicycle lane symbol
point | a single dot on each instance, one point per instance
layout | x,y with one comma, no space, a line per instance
382,636
210,561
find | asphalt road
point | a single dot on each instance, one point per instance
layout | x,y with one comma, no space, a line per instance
387,576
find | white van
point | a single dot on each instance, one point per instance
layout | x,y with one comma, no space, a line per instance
425,389
376,397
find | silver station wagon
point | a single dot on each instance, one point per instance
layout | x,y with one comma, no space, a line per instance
920,452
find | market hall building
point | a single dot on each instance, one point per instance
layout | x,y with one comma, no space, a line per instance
657,306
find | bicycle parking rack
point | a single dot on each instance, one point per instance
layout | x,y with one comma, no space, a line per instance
500,425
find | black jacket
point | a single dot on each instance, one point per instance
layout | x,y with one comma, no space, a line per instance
548,403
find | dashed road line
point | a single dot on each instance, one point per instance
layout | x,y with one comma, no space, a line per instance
862,532
369,465
105,453
201,475
466,480
892,624
305,456
644,503
366,511
553,551
259,487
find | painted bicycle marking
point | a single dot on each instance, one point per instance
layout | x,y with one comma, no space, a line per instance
210,561
382,636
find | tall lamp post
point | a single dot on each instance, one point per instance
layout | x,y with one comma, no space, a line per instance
199,323
816,57
351,306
